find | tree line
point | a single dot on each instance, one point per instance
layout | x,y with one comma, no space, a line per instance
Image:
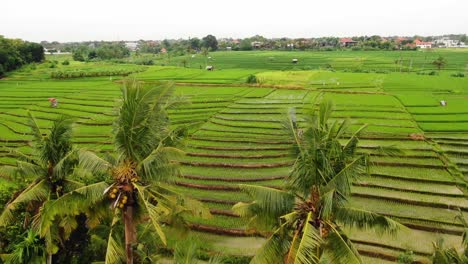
15,53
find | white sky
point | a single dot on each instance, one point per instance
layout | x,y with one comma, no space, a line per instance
65,20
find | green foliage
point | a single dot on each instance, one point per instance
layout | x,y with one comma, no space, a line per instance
440,62
309,213
406,258
251,79
210,42
458,74
15,53
66,62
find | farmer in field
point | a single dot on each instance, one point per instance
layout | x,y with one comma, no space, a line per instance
53,102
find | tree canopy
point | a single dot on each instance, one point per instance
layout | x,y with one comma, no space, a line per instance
15,53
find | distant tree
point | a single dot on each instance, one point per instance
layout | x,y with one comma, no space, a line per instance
210,42
112,51
246,44
80,53
195,43
92,55
440,62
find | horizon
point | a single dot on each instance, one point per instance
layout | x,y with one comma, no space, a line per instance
98,21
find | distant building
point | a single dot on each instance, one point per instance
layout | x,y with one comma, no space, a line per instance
228,48
347,42
163,50
256,44
422,44
446,42
131,45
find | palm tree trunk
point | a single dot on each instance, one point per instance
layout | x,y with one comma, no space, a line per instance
130,233
49,258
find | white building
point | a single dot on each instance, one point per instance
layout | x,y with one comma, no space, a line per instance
446,42
131,45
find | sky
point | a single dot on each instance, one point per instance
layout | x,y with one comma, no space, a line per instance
82,20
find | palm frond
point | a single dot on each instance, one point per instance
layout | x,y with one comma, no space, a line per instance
37,133
267,206
37,191
27,169
275,248
158,165
77,201
363,219
308,251
154,212
114,251
339,248
92,162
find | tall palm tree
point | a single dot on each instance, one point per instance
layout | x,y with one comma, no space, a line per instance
53,159
308,216
136,189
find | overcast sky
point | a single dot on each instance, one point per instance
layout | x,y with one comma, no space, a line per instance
65,20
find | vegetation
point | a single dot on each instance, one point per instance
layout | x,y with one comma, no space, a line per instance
15,53
235,137
51,165
309,215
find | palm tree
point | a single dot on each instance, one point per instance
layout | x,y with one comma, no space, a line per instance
136,189
308,215
30,250
53,159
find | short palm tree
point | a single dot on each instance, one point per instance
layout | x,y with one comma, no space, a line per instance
50,164
443,255
30,250
308,216
136,189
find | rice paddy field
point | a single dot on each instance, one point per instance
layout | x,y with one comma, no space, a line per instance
236,134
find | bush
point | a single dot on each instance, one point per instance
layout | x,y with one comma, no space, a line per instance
252,79
66,62
406,258
432,73
458,74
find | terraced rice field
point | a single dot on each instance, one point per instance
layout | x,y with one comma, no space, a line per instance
236,137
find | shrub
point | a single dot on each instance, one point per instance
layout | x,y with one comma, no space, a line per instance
252,79
458,74
406,258
66,62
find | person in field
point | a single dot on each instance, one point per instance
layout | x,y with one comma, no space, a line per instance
53,102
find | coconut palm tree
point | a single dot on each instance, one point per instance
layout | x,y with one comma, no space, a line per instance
310,214
53,159
136,188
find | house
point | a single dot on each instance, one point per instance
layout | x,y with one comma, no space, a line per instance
256,44
422,44
132,46
163,50
347,42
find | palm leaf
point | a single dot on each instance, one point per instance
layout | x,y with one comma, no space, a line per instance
339,248
275,248
362,219
308,251
154,212
92,162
